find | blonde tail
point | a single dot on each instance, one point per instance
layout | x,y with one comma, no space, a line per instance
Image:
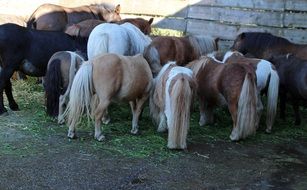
80,95
247,112
272,100
179,118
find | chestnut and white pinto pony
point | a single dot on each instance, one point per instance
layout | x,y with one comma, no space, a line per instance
110,77
233,85
267,78
61,70
124,39
170,103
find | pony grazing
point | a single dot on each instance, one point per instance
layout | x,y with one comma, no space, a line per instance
55,17
110,77
179,49
84,28
267,79
230,84
170,103
29,50
124,39
264,45
60,73
292,72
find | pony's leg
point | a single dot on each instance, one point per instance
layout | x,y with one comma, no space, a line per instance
5,75
106,118
259,109
295,106
162,125
206,114
136,108
62,101
234,136
282,102
8,91
99,114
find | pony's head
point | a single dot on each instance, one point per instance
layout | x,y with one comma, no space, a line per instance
109,14
239,44
143,24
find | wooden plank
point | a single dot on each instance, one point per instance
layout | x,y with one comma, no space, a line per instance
229,32
237,16
298,20
251,4
297,5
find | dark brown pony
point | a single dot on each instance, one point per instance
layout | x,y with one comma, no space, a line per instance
292,72
84,28
264,45
230,84
56,18
182,50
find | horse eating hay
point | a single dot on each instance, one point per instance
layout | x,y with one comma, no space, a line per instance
124,39
182,50
170,103
61,71
55,17
110,77
230,84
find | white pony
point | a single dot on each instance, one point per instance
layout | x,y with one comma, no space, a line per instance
124,39
266,75
170,103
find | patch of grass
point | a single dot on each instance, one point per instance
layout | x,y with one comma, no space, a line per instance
166,32
30,131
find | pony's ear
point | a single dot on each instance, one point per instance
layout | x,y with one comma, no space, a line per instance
242,35
117,9
150,21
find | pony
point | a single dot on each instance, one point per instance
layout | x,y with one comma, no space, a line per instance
267,79
28,50
179,49
84,28
227,84
110,77
55,17
61,70
125,39
292,72
264,45
170,103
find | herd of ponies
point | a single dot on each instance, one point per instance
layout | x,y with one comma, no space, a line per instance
88,57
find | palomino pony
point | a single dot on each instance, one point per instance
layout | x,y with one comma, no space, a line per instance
170,103
264,45
267,79
60,73
179,49
28,50
110,77
292,72
55,17
124,39
84,28
230,84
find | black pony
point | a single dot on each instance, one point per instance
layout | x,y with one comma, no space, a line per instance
292,73
263,45
28,51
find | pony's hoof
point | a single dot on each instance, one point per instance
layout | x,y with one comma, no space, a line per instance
201,123
61,121
71,135
134,131
14,107
161,129
106,121
234,137
100,137
269,131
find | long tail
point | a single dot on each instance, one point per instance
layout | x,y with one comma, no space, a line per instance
179,118
153,58
81,94
247,113
97,44
53,85
272,99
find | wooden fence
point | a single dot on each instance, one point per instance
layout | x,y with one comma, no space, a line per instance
219,18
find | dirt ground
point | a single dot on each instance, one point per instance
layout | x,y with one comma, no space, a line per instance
55,162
